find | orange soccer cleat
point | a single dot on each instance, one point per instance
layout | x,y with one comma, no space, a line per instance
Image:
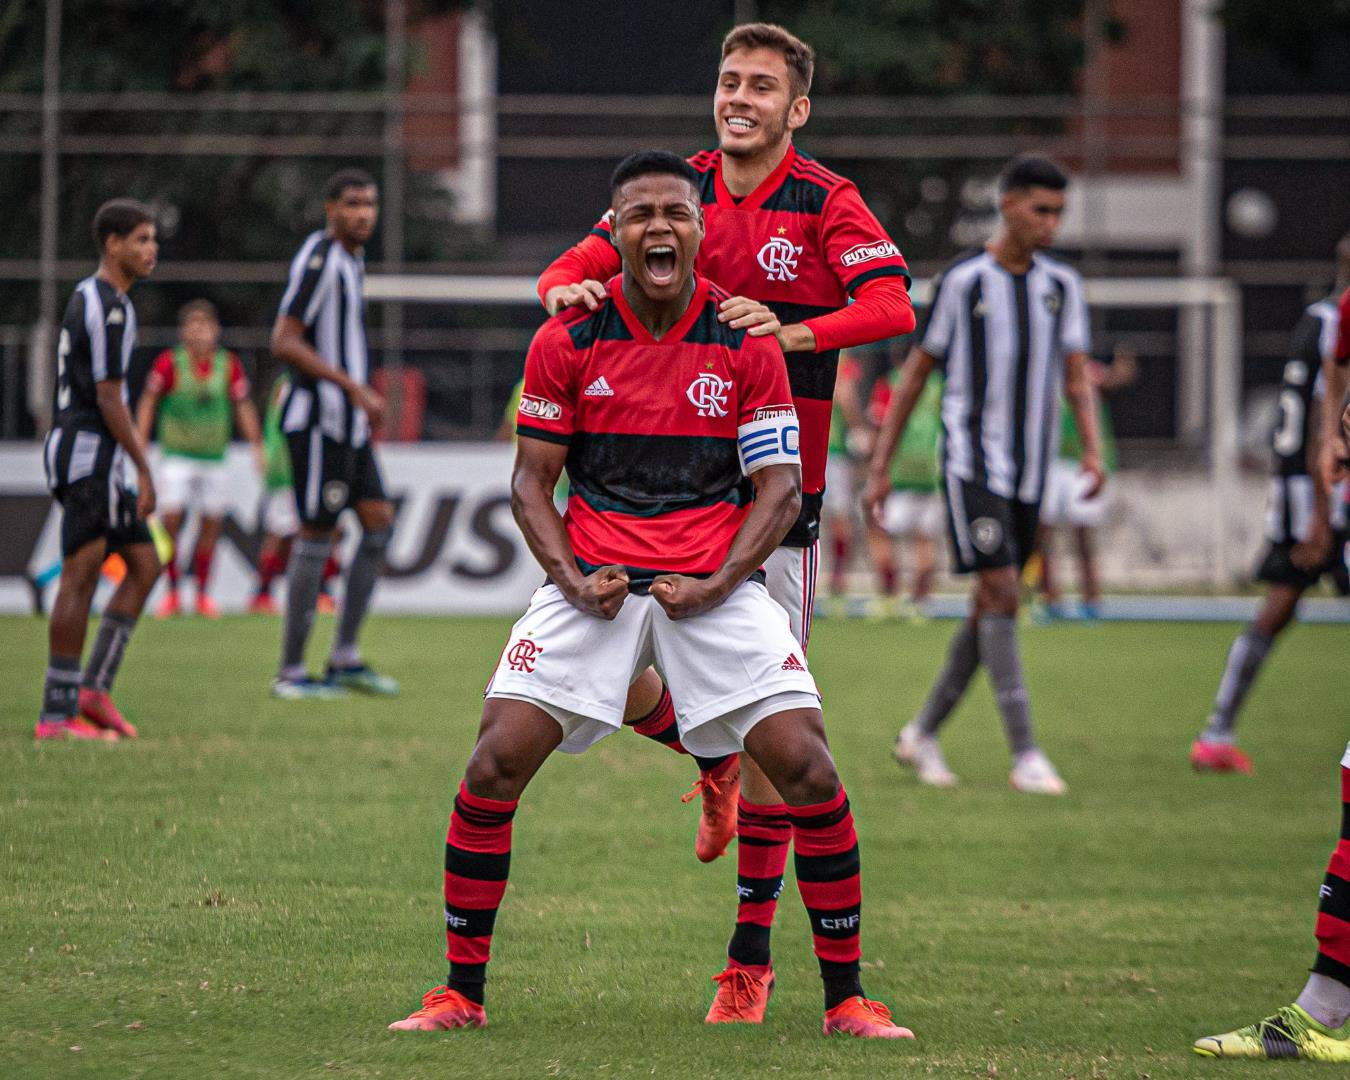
325,605
98,707
206,608
1219,757
262,604
865,1019
169,606
742,996
443,1009
72,727
720,788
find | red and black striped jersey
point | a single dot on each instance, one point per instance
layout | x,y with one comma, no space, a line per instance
661,434
802,242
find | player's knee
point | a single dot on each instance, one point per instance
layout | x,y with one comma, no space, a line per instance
809,779
495,774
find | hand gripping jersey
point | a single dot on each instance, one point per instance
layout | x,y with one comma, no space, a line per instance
661,434
802,243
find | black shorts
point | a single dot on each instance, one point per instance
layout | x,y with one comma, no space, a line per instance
96,508
1277,566
330,476
986,530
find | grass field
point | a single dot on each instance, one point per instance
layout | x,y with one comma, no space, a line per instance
253,887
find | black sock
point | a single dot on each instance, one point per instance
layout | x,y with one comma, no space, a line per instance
749,945
842,981
468,979
708,764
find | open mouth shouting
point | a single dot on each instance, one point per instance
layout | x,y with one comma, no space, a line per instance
660,263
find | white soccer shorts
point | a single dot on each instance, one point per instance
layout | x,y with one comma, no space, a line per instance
790,576
182,483
840,489
914,513
727,669
279,517
1064,503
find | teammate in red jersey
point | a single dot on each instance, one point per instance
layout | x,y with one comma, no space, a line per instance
784,230
681,447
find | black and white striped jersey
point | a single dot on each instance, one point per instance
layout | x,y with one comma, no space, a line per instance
98,334
1002,338
1289,508
324,292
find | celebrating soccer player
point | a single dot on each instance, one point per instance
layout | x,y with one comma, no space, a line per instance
1305,525
783,230
681,445
87,453
1007,324
194,388
326,416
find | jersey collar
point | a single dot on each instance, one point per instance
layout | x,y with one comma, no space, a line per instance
676,333
760,195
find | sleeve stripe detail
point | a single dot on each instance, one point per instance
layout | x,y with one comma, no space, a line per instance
880,272
94,327
530,432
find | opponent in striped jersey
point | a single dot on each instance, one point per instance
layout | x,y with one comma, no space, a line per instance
666,421
1305,530
1009,326
326,416
784,230
87,453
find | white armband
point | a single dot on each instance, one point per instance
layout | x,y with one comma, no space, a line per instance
771,438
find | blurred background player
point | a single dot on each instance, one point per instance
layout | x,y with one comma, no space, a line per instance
849,440
277,517
86,455
913,510
785,231
1009,326
1305,526
326,414
193,396
1065,504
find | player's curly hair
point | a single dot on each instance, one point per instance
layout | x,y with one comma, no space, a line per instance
1027,171
800,57
646,162
120,217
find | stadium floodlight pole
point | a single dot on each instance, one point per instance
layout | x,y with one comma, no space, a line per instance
392,197
40,359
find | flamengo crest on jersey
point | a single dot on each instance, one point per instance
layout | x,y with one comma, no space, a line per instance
779,259
708,393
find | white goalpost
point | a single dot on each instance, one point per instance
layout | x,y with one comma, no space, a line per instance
1213,510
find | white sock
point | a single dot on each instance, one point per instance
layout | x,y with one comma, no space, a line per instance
1326,1000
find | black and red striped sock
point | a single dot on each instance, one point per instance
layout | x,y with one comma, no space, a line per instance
477,862
1333,910
660,726
825,855
763,834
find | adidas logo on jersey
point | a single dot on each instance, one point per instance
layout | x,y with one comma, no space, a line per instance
793,664
599,388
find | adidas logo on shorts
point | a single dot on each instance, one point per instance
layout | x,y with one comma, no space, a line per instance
793,664
599,388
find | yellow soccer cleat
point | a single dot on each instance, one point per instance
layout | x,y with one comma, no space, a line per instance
1290,1033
